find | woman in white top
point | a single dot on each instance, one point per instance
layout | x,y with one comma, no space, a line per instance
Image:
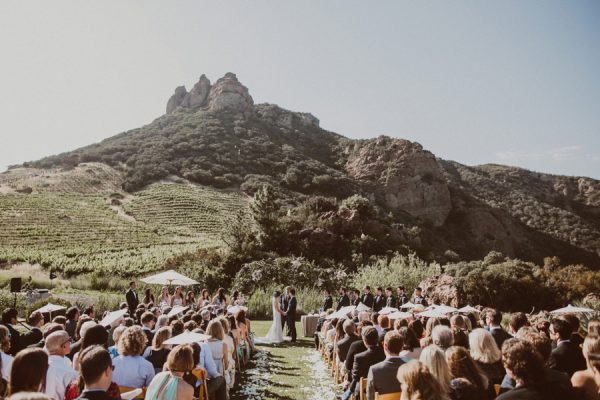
177,298
218,347
5,359
164,299
228,339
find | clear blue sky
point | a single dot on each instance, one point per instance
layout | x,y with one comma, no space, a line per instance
513,82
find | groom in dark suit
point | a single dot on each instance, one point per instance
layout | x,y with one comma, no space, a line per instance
290,314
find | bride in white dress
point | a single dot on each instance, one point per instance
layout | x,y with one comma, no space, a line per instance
275,335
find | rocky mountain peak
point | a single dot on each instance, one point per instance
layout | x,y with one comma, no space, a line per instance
226,94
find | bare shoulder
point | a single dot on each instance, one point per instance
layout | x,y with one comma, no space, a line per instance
581,378
185,390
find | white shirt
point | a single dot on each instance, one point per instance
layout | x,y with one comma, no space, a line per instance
6,365
59,376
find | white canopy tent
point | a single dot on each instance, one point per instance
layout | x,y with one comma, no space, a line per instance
572,309
169,278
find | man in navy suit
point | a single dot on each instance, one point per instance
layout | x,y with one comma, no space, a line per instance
567,357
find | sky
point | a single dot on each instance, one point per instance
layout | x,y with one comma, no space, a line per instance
508,82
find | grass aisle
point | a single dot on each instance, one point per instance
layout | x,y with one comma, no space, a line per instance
289,371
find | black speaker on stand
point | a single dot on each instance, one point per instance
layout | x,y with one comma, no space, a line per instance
15,287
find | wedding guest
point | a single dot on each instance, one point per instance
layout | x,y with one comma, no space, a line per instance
434,359
217,347
586,383
459,331
442,337
117,332
205,314
233,329
381,377
567,356
148,321
411,348
205,296
28,372
72,319
170,385
389,298
486,355
96,373
374,317
327,301
9,320
354,297
524,365
216,385
95,335
493,318
429,325
344,344
517,321
594,327
60,372
363,361
177,327
367,298
148,297
5,359
384,323
228,340
417,327
131,369
418,383
467,379
36,321
572,319
177,298
157,353
161,322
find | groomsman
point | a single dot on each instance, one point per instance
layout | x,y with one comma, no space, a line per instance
402,297
327,301
355,297
344,300
132,298
367,298
379,301
418,297
389,298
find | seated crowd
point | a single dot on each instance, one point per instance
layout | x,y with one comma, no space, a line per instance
75,357
461,356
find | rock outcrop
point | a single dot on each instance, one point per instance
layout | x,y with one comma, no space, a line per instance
441,290
226,94
282,117
403,176
229,94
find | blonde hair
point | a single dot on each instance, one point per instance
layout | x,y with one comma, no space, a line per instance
591,345
434,359
160,336
215,329
181,358
483,347
4,339
419,383
225,324
117,333
132,342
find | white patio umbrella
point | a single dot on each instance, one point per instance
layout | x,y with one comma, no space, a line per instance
442,308
235,309
388,310
407,306
572,309
113,317
467,309
169,278
50,308
346,310
187,337
399,315
362,307
177,310
432,314
337,314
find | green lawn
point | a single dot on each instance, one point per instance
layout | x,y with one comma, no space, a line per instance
289,371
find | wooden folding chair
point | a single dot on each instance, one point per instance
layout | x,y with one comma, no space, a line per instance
125,389
388,396
497,389
363,388
202,376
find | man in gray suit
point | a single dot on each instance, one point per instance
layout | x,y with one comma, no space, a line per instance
382,376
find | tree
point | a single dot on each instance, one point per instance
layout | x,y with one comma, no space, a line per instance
265,212
237,232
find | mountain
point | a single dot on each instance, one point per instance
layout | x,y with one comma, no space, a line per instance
177,177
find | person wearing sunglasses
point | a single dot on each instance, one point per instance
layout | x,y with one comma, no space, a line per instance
60,371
